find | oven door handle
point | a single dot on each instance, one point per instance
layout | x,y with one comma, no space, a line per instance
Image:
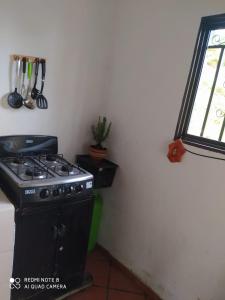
55,232
62,230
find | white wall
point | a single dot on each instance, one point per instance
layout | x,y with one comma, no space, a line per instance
165,221
74,36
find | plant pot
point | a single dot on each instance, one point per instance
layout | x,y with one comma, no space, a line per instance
97,153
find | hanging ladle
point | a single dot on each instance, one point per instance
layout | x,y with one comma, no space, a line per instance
15,100
28,101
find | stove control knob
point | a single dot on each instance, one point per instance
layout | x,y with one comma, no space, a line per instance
69,189
55,192
78,188
44,193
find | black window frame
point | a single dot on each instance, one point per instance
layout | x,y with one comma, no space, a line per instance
207,24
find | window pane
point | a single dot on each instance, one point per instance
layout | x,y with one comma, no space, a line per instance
217,109
217,37
204,90
223,137
201,120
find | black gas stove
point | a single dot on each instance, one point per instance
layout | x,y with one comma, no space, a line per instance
32,173
53,210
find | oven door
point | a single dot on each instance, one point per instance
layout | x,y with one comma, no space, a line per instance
35,249
74,228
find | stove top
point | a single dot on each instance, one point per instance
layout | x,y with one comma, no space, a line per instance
42,169
32,173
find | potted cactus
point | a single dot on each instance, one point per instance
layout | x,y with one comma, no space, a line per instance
100,133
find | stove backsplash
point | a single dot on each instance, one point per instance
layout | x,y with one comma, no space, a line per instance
27,145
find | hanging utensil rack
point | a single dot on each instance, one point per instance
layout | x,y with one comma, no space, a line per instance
28,58
38,100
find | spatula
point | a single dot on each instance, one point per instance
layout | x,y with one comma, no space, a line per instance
41,101
35,91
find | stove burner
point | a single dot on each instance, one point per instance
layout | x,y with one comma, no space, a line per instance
17,161
34,172
67,168
51,158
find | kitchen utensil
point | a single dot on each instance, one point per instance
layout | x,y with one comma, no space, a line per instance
35,91
15,100
41,101
23,89
28,101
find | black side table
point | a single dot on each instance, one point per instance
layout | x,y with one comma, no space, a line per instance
103,170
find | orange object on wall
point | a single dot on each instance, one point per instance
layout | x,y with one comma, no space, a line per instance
176,151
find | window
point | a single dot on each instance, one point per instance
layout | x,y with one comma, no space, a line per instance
202,117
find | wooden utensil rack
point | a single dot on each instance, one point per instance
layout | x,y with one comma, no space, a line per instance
29,58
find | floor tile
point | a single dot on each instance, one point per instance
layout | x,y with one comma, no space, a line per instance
120,281
93,293
122,287
117,295
99,269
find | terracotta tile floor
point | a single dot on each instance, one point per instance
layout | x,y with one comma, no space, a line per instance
110,283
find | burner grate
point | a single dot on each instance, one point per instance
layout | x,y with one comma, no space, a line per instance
26,168
61,167
43,166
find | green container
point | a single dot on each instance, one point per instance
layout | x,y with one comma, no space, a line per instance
96,220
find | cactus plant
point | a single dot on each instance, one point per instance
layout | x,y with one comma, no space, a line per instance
101,131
